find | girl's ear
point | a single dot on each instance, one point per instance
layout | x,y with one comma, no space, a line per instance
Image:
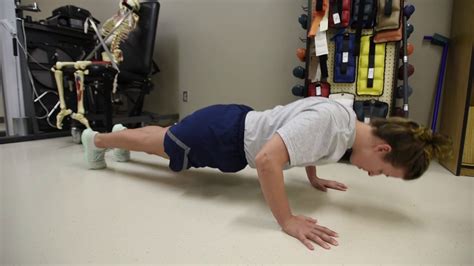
385,148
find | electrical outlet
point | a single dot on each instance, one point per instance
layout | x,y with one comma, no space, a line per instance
185,96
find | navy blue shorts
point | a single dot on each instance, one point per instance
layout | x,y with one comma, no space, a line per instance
210,137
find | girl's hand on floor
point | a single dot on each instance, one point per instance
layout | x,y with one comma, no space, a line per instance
323,184
308,231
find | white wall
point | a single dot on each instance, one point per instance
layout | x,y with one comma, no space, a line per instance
2,109
243,51
220,51
431,16
227,51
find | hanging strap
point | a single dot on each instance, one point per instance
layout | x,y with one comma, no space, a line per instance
388,8
340,7
367,110
319,5
323,63
345,53
371,109
371,15
371,70
336,11
360,25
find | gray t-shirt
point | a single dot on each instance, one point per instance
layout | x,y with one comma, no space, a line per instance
315,131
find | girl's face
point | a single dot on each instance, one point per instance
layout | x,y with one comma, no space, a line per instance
371,161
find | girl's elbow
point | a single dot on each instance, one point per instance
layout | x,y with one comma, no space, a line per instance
262,160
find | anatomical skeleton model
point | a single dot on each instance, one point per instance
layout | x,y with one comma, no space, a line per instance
114,31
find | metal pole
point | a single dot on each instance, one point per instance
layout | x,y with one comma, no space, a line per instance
405,67
439,88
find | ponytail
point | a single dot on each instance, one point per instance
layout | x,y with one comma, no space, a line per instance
413,146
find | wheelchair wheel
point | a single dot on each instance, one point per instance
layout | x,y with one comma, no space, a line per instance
76,135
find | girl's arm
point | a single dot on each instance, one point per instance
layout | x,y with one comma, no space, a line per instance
311,172
322,184
270,162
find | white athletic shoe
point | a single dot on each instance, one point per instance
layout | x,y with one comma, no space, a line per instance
120,155
93,156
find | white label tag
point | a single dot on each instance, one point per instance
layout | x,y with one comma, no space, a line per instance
318,91
405,107
321,43
367,120
371,73
345,57
324,25
336,18
405,59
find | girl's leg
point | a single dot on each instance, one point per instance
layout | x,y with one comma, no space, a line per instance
148,139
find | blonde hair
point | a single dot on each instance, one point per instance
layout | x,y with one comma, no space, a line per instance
413,146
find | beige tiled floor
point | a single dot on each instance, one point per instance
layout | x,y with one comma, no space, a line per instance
53,210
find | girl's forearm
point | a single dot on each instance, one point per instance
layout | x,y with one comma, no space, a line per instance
311,171
273,188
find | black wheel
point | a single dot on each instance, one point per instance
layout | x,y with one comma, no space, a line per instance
76,135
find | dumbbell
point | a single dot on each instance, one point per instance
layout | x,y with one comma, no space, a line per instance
303,20
298,90
410,29
410,50
399,92
301,54
411,70
299,72
408,10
